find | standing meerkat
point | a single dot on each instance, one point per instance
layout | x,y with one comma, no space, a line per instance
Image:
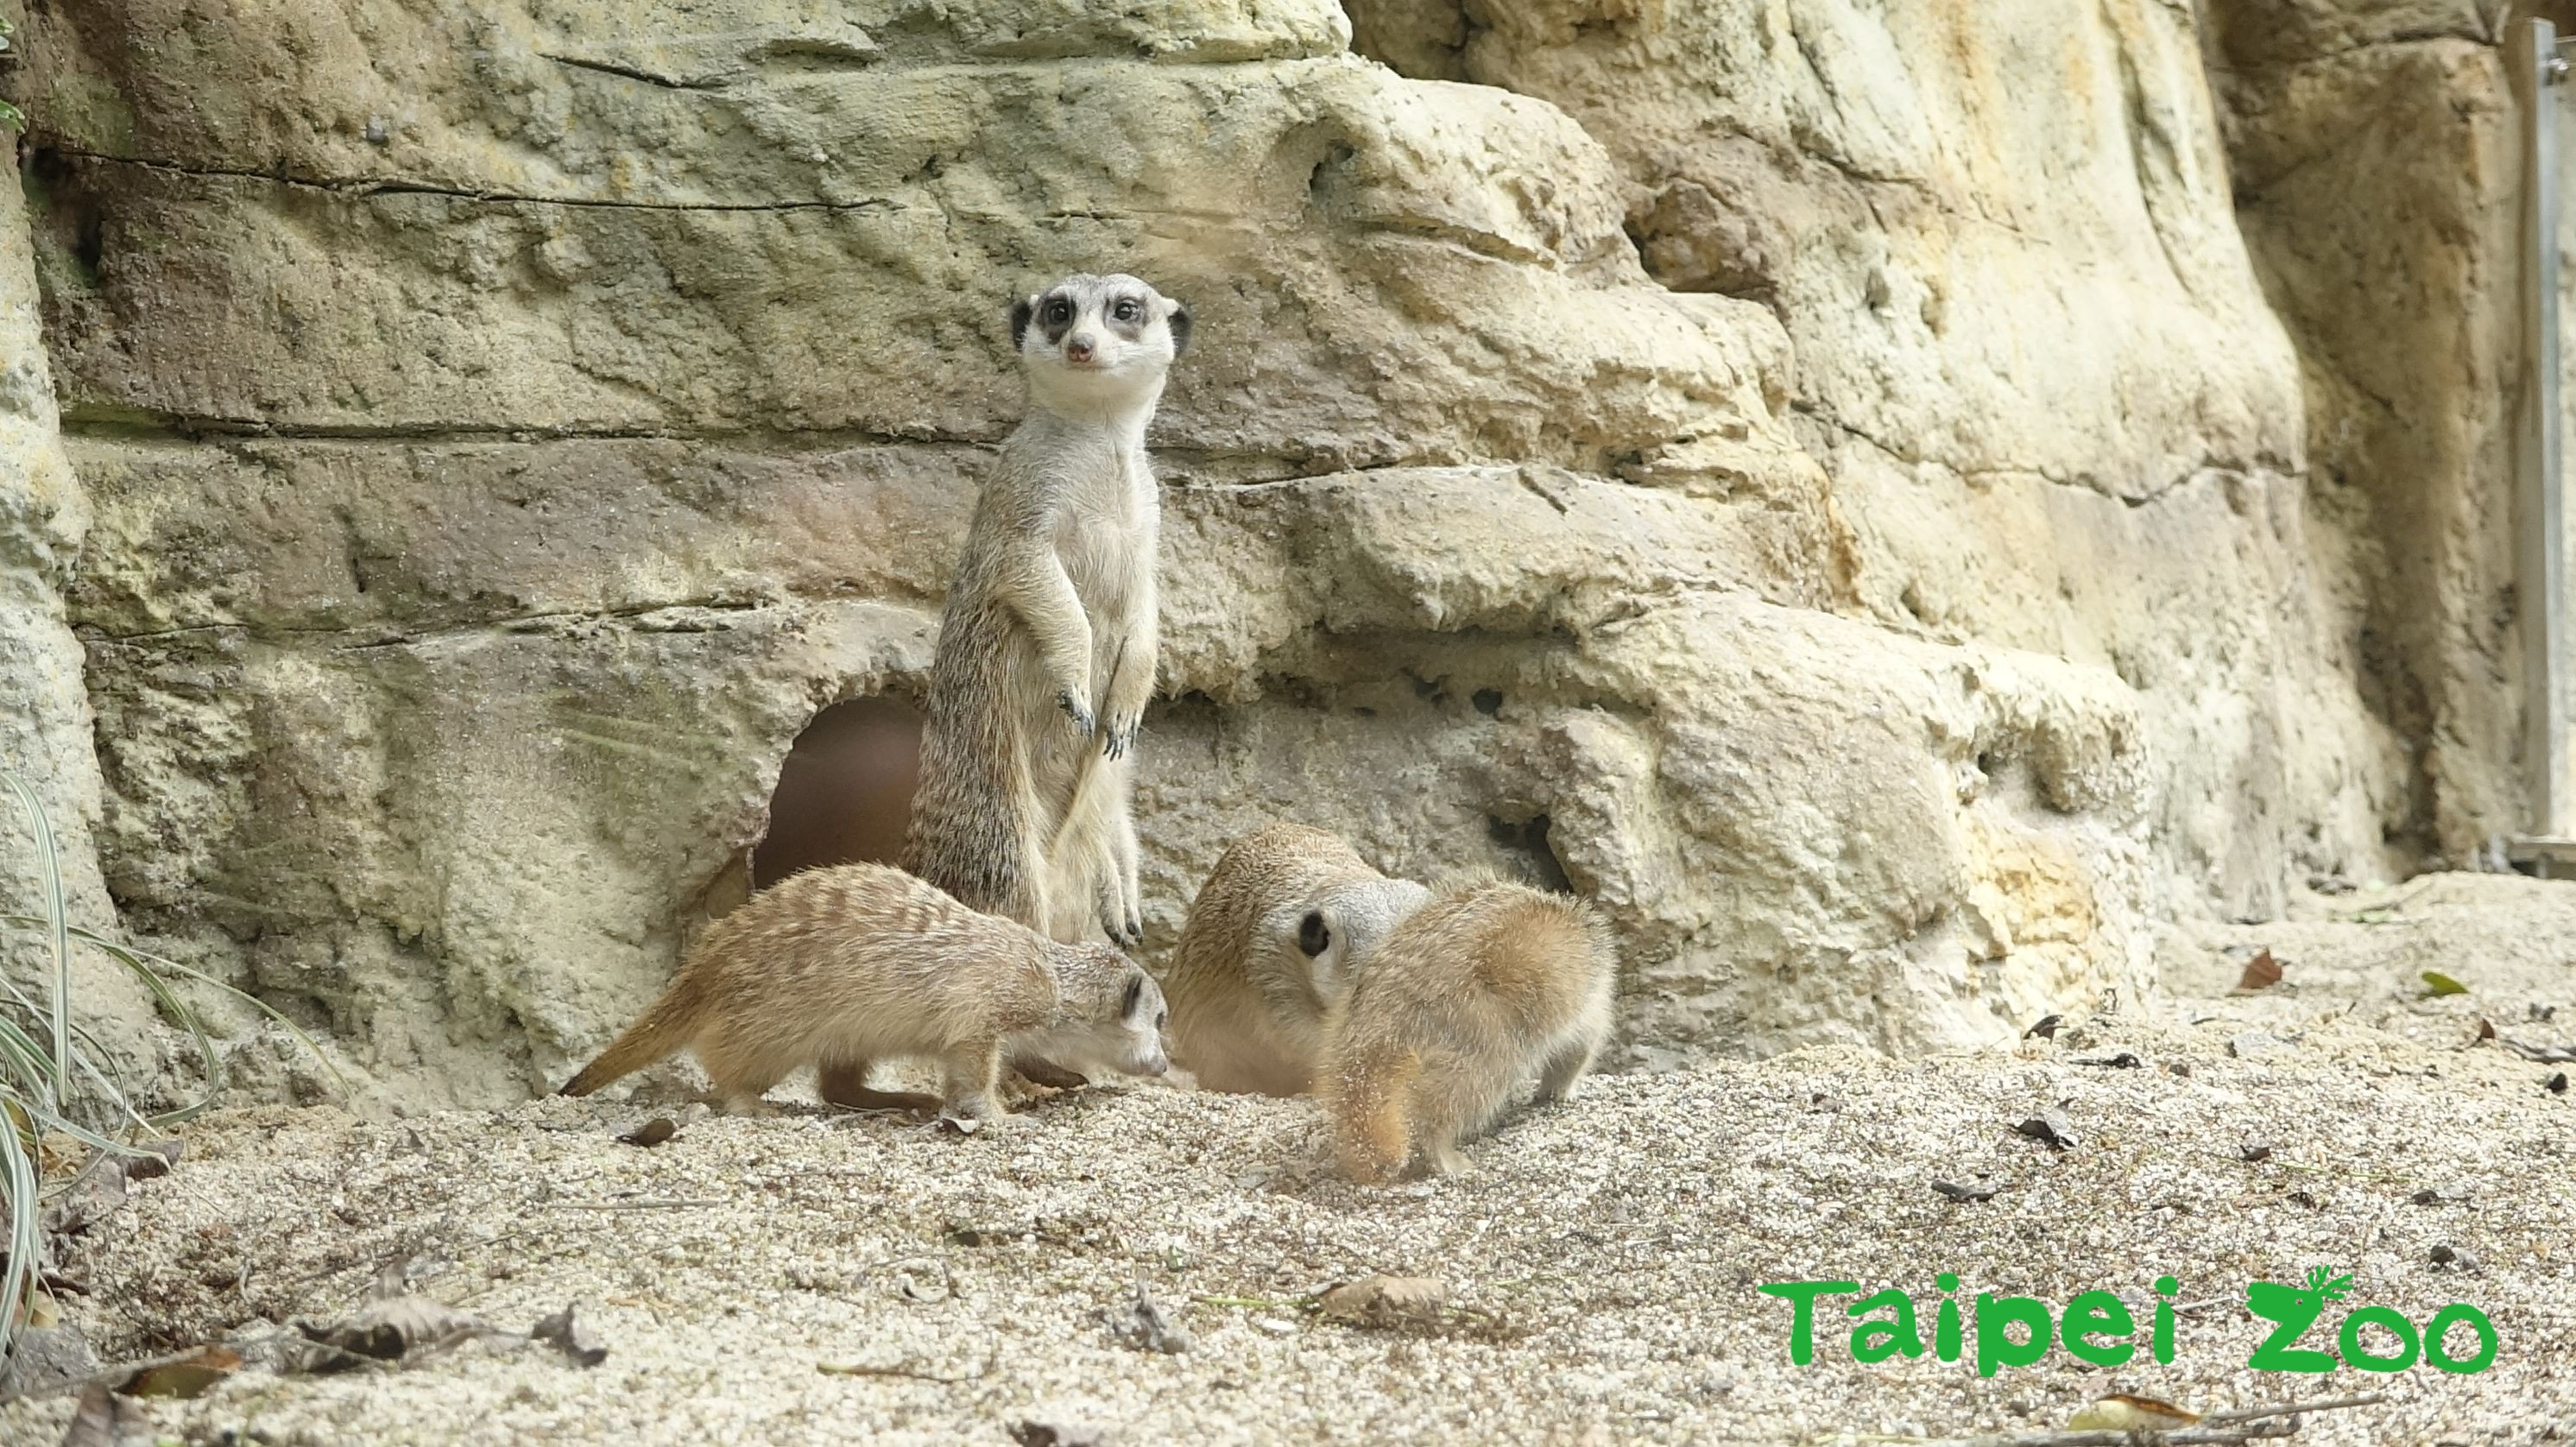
860,962
1048,642
1271,942
1485,985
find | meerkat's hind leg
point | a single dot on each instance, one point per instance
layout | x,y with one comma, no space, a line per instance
844,1083
1442,1112
1055,903
1564,1069
1459,1100
742,1073
1576,1049
1088,879
1108,840
1094,868
1061,914
1443,1158
1113,890
744,1093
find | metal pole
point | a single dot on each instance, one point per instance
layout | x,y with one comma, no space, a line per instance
2535,70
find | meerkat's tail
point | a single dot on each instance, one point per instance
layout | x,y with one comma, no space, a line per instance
1370,1101
665,1027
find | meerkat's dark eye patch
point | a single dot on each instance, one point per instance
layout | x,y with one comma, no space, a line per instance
1055,313
1313,936
1180,329
1126,309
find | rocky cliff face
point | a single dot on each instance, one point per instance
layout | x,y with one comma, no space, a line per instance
44,711
2376,172
1828,481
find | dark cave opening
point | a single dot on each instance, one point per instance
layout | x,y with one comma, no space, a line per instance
844,794
1527,840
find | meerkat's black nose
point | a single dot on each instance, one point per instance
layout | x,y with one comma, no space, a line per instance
1078,349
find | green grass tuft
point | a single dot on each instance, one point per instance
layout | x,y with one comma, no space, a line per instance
55,1078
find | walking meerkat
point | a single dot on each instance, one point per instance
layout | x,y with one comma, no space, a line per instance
861,962
1270,944
1485,985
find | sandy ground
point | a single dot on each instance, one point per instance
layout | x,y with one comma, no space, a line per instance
810,1278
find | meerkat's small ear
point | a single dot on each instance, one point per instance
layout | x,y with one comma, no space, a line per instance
1313,936
1180,323
1023,312
1135,992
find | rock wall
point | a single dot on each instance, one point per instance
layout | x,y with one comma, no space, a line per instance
2031,350
44,711
1824,480
2376,172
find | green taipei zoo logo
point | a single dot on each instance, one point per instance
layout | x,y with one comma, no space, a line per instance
2293,1310
2096,1327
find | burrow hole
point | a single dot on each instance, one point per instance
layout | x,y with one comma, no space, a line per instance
844,795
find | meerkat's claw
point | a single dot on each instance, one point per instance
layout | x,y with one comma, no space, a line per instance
1001,1121
1124,930
1075,709
1121,735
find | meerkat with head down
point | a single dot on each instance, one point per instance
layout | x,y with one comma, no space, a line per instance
1048,641
1484,986
844,966
1271,942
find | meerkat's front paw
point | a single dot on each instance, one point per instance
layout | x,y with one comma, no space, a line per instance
972,1122
1077,710
1121,735
1001,1122
971,1104
1124,930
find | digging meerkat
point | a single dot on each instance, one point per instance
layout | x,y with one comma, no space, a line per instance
1474,992
1272,941
844,966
